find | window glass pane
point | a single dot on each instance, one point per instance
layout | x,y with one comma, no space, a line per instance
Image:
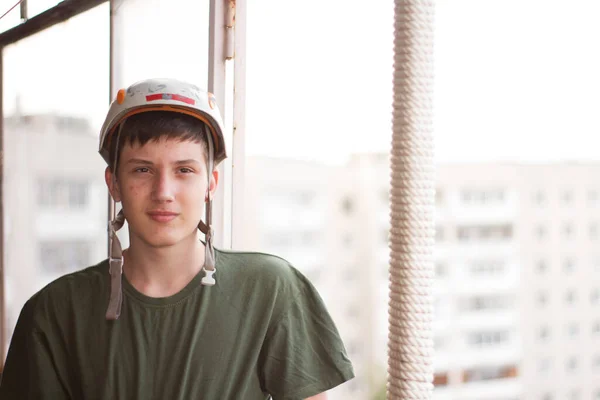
158,39
12,18
55,195
516,122
35,7
318,111
172,44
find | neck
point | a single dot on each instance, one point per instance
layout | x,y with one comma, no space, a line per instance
162,272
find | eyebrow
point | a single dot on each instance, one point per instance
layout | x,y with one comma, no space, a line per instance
147,162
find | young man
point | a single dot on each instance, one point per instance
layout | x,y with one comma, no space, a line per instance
171,317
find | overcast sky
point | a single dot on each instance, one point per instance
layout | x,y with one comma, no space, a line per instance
515,80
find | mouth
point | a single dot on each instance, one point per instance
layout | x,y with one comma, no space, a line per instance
162,216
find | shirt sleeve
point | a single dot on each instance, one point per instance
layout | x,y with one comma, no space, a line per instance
29,372
303,355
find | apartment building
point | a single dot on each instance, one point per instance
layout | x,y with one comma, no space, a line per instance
54,204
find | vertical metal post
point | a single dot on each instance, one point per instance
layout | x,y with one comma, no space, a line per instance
239,126
111,84
24,16
2,241
216,85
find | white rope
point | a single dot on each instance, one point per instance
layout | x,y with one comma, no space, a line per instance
410,347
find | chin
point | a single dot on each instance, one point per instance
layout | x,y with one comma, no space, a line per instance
160,242
160,239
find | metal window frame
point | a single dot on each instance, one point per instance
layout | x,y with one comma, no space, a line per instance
60,13
229,199
239,126
227,211
2,305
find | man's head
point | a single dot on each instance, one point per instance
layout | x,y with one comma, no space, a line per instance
161,176
162,124
161,172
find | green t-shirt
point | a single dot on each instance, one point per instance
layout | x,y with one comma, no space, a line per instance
261,330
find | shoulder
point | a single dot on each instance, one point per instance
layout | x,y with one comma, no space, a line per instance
267,270
73,289
260,281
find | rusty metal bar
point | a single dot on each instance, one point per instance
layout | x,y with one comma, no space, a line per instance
238,153
2,242
112,79
57,14
24,15
216,85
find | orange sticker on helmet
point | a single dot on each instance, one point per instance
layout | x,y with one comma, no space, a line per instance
121,96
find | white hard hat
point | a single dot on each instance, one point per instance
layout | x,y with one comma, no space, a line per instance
164,95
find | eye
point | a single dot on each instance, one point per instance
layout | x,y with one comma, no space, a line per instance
141,169
186,170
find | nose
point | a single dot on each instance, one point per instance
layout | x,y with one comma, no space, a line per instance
163,188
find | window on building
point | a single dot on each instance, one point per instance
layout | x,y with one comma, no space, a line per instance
567,197
571,364
542,299
593,230
482,197
593,197
441,269
347,205
544,365
62,193
568,265
60,257
439,342
485,232
304,198
487,267
573,330
487,338
348,238
440,379
539,198
567,230
542,266
595,296
439,197
439,233
570,297
596,328
574,394
485,373
541,232
486,303
596,362
543,333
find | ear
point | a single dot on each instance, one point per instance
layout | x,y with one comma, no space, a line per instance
214,180
111,183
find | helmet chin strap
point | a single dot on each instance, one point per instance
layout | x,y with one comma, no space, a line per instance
116,268
116,252
115,260
209,252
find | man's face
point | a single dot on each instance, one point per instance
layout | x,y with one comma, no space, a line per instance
162,187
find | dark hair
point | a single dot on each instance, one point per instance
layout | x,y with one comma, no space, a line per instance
154,125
